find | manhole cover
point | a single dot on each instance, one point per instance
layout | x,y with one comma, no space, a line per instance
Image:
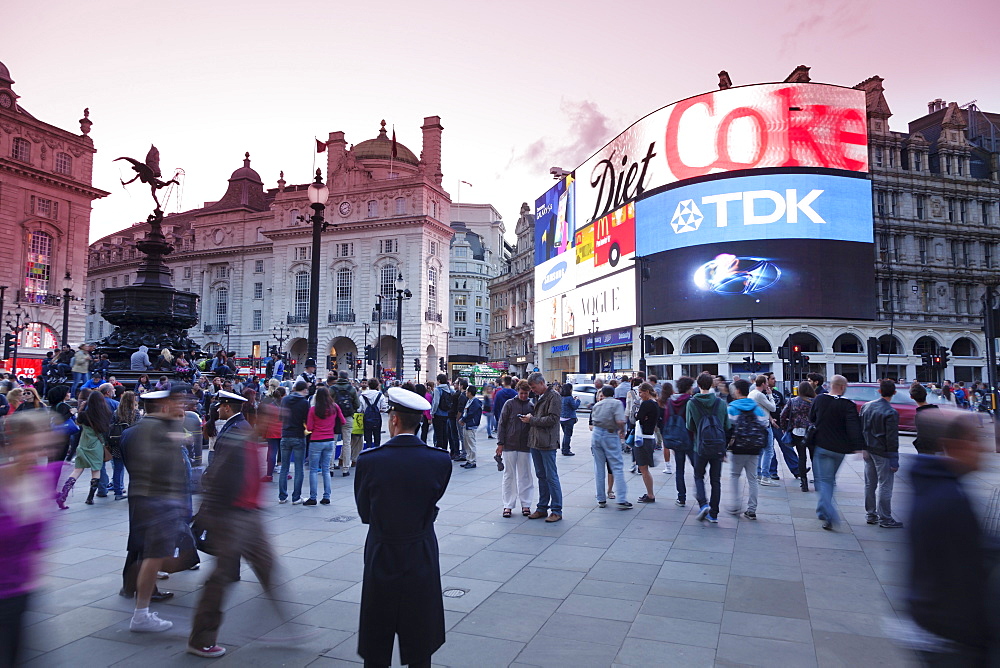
342,518
455,593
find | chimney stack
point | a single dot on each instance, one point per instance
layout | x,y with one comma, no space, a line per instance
430,155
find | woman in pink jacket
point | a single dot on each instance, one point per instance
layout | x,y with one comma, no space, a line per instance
324,421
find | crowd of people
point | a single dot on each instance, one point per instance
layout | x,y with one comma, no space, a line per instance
260,431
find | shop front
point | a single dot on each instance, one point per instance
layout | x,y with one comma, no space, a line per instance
560,358
607,353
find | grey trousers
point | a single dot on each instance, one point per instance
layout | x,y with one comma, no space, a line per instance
739,464
878,487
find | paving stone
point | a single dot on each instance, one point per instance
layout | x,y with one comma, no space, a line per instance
463,546
550,582
622,590
523,543
683,631
570,557
488,652
638,550
683,608
849,651
86,653
702,591
557,651
63,629
619,571
639,652
679,570
574,627
744,650
767,597
766,626
588,537
508,616
600,607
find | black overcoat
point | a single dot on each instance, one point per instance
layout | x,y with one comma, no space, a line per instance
397,487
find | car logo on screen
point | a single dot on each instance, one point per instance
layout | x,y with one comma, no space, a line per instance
554,276
687,217
731,275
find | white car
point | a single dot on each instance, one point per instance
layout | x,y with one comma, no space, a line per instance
586,393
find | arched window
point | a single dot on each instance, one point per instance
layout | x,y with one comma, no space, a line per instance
212,348
806,342
741,344
221,307
434,209
301,296
926,345
847,343
372,209
260,234
293,217
64,164
21,149
889,345
432,291
400,206
699,343
36,277
344,283
387,288
964,347
662,346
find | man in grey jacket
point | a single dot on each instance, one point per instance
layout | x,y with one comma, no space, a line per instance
543,439
880,426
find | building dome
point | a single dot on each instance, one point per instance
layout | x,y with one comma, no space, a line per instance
380,148
5,75
245,172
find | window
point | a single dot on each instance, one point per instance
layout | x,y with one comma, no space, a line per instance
258,319
951,210
21,149
479,333
434,209
920,207
879,156
260,234
961,299
432,299
63,164
36,277
222,271
100,329
460,331
479,316
114,281
44,207
400,206
887,302
344,283
892,157
301,296
894,203
126,279
479,301
985,206
221,307
880,202
461,267
434,248
388,246
258,290
947,164
187,272
916,161
923,249
258,267
372,208
988,255
461,251
303,252
90,330
461,300
387,280
897,246
961,210
293,217
345,250
958,166
954,253
966,255
460,316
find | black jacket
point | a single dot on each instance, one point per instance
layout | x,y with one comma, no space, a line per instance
295,409
838,427
947,590
648,416
397,487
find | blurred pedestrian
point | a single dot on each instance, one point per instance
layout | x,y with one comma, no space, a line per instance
838,433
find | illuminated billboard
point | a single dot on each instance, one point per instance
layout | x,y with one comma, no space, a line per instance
774,278
606,245
758,207
556,276
750,127
554,221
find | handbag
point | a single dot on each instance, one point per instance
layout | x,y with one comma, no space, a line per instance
786,438
810,438
630,439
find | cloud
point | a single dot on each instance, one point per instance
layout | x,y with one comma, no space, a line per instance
829,21
588,129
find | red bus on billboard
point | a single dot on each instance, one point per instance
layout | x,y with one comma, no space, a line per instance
614,236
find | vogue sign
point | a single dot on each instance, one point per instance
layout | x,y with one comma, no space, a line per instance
766,125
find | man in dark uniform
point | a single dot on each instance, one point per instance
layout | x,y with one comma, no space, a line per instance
397,487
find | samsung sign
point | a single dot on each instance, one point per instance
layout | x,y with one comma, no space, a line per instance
770,206
551,279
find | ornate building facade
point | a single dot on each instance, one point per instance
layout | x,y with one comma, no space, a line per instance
248,256
45,203
512,301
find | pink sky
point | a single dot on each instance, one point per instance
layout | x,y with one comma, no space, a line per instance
520,86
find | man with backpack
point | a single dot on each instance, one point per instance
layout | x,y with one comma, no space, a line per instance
472,415
838,433
708,419
346,396
676,435
750,434
374,404
441,406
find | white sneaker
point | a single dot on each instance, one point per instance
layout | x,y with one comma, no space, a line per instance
285,500
767,482
668,469
297,502
151,623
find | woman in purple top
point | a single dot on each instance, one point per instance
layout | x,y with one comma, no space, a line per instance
24,515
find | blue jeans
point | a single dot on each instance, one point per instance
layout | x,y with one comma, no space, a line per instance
607,449
787,451
320,453
679,457
549,490
273,445
491,424
827,463
766,458
714,467
79,378
105,481
118,475
567,432
295,446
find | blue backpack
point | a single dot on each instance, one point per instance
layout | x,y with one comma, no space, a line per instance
711,436
674,431
372,417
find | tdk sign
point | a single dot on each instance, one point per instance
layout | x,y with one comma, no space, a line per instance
782,206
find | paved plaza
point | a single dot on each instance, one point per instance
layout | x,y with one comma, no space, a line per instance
650,586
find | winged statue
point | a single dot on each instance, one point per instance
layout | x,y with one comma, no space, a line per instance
148,172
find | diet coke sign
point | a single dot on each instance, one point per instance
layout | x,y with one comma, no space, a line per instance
751,127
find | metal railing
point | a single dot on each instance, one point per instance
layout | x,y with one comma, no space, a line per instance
335,317
298,319
42,298
432,316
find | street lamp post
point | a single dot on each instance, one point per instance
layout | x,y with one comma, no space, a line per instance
318,195
594,328
401,293
367,328
378,337
282,334
65,328
18,321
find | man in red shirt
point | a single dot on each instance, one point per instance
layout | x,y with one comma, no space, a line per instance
230,519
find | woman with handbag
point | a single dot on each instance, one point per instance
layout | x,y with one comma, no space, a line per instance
795,421
91,452
63,422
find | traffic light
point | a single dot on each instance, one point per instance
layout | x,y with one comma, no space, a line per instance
648,340
441,363
783,353
936,362
749,363
416,364
803,359
944,356
8,346
872,350
925,359
331,361
757,366
350,359
796,354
